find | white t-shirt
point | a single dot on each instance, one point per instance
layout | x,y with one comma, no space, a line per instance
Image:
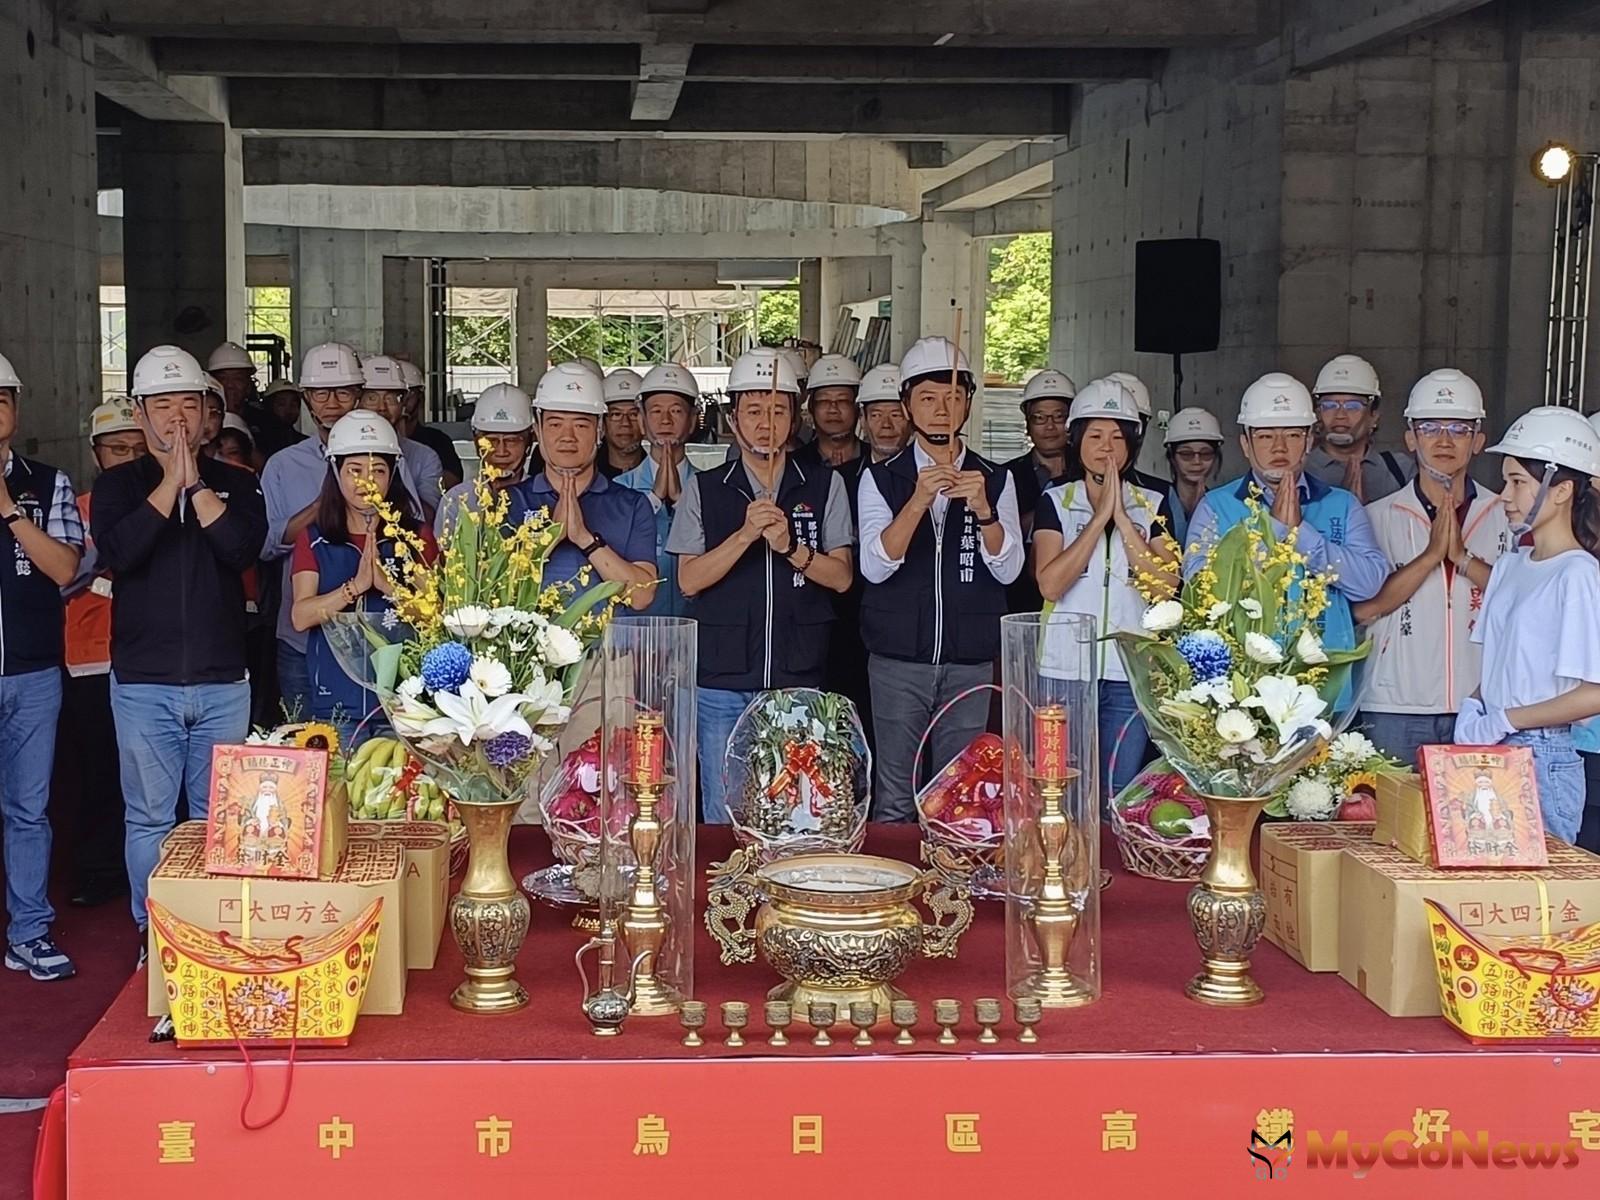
1540,628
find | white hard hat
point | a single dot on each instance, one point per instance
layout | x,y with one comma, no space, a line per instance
1276,401
331,365
670,377
833,370
1553,435
8,375
412,374
797,363
1445,393
1141,393
380,373
114,416
1349,375
933,356
1107,398
362,432
214,386
281,385
502,408
763,369
230,356
1192,425
589,365
166,369
237,423
880,384
570,387
1048,385
621,386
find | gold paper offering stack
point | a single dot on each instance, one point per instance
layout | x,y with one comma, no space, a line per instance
1402,817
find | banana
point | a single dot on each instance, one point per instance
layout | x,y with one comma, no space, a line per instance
364,752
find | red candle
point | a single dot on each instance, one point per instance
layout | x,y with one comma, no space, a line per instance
649,748
1050,741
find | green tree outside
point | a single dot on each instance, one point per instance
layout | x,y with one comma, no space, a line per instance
1017,325
778,315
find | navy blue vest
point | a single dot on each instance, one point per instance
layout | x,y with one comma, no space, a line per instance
763,624
942,605
31,618
333,692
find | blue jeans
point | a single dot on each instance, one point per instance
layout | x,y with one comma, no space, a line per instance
1559,772
1402,734
29,706
294,683
165,733
716,710
1123,737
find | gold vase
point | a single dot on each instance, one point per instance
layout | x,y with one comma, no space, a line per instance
489,915
1226,908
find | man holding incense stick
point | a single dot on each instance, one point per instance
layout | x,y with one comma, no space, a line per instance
940,540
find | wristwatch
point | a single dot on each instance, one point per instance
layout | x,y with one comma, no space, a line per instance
12,517
588,551
993,516
198,485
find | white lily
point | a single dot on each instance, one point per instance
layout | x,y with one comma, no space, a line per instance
1308,649
1290,705
543,703
412,717
473,716
1252,608
1213,691
1159,618
1262,649
468,621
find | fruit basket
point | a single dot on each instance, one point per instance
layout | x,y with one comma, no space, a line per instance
1160,825
961,812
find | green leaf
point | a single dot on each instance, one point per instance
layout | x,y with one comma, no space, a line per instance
581,607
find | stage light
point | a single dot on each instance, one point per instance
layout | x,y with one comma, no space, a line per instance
1554,163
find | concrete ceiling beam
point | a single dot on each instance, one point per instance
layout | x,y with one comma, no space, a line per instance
1018,171
1321,32
125,71
1013,217
660,82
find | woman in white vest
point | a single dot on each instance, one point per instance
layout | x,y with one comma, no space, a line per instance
1092,535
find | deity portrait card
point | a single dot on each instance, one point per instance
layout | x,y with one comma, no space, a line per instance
266,811
1483,806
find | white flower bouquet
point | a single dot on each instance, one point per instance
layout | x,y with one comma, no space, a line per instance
1340,783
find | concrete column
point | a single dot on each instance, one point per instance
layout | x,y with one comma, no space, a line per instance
903,243
336,294
830,294
811,300
183,235
533,327
405,307
49,263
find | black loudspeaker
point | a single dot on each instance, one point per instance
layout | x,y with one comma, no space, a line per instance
1177,296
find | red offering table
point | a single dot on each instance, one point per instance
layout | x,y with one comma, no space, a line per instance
1143,1089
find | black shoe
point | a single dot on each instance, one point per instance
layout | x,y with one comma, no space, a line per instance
96,892
144,951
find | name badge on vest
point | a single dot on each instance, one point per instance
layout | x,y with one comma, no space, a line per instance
807,531
969,546
28,505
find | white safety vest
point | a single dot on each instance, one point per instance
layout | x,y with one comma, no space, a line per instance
1424,659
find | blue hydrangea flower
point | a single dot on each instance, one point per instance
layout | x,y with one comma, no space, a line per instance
1206,653
445,668
505,749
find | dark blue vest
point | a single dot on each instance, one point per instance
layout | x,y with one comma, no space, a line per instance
763,624
31,618
942,605
333,692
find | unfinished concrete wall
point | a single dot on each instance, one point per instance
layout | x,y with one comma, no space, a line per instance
49,266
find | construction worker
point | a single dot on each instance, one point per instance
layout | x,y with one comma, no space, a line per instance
1328,524
1046,401
384,392
670,399
763,545
1094,533
607,529
1443,533
883,417
41,540
331,383
1141,399
234,443
273,421
1193,443
940,542
230,365
343,561
1347,397
1537,627
86,740
831,391
624,425
502,417
177,531
216,408
282,400
412,427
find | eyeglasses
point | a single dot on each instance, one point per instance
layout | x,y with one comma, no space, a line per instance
1205,454
1349,404
1456,429
1055,419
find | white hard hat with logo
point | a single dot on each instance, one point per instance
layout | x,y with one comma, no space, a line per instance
1347,375
362,432
411,373
230,356
8,375
114,416
164,370
621,386
880,384
1192,425
570,387
380,373
1276,401
833,370
1136,386
1445,393
331,365
1048,385
502,408
763,369
1553,435
1108,398
670,377
933,356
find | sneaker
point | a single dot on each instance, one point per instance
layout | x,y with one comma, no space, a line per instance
41,959
144,951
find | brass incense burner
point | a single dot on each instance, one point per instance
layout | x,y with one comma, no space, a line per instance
839,928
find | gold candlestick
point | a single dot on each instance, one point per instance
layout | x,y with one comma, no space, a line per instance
644,925
780,1015
947,1015
1066,865
823,1014
863,1015
1028,1010
735,1016
904,1015
692,1016
987,1012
